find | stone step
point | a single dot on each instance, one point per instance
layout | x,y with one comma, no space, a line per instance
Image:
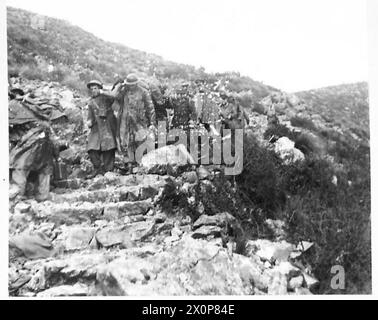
71,212
109,193
109,179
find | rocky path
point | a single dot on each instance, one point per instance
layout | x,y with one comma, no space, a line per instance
108,237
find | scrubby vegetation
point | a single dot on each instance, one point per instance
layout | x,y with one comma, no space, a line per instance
346,104
303,123
335,217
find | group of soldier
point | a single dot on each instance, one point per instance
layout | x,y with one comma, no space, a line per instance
120,119
124,117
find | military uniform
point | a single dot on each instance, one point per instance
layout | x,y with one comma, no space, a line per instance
184,111
234,115
136,115
208,112
101,140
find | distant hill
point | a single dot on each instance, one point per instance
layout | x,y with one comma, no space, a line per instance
45,48
50,49
344,105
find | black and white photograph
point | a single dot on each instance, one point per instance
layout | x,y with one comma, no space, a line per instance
187,149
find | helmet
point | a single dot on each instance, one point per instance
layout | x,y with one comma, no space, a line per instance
94,83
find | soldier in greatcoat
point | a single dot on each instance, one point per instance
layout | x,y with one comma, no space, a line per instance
102,123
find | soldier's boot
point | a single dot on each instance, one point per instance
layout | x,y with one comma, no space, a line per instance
95,156
108,158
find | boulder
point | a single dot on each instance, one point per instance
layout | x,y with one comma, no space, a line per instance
67,100
173,155
22,207
190,177
270,251
111,236
203,173
296,282
285,149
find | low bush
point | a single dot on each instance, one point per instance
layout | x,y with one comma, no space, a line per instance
307,143
336,218
278,130
303,123
258,181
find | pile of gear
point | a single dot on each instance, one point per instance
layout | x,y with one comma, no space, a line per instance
32,142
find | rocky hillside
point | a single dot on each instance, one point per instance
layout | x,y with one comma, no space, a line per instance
300,206
346,106
45,48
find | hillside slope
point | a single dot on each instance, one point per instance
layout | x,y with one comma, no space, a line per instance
345,105
37,44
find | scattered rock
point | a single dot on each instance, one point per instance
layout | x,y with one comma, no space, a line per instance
310,281
302,291
304,246
75,290
203,173
13,191
206,231
270,251
190,177
220,219
160,217
287,269
22,207
79,238
296,282
278,285
111,236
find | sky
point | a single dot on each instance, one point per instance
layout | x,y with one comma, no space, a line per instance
292,45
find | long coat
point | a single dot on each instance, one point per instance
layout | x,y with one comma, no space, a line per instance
136,113
104,124
207,108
